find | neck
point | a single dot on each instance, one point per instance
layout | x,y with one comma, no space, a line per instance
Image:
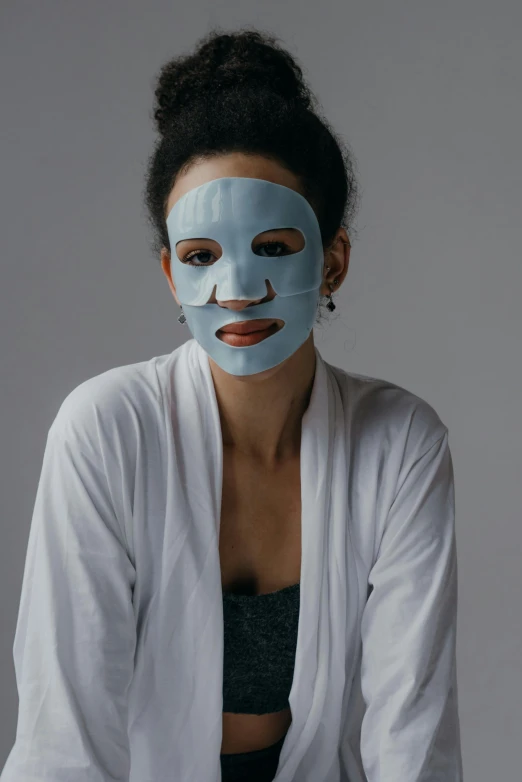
261,415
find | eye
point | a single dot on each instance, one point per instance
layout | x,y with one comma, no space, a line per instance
273,246
188,257
275,242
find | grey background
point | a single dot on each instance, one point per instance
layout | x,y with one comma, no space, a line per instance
428,94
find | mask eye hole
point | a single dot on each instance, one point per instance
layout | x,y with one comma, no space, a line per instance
277,242
198,252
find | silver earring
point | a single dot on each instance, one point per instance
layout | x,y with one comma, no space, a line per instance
182,319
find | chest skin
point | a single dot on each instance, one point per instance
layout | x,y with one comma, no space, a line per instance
260,552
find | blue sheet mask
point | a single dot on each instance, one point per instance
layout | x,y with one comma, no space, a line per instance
233,211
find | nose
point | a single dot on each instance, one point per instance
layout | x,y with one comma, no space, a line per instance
237,304
241,304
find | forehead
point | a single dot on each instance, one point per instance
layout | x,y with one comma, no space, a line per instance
232,164
240,203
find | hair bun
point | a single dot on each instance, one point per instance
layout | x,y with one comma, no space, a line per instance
247,60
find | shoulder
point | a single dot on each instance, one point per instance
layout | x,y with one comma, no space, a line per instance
112,404
380,410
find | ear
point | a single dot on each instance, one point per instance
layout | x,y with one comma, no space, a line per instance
337,257
165,265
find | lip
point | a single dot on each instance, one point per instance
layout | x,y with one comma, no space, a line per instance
252,337
247,326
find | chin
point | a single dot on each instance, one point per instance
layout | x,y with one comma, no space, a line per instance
256,376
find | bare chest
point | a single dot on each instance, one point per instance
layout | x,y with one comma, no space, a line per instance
260,527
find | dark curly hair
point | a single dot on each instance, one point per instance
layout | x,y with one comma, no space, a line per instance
241,91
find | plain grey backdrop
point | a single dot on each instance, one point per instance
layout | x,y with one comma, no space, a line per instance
428,95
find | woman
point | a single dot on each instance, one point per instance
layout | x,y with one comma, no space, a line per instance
229,540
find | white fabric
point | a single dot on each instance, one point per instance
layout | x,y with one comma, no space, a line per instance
119,642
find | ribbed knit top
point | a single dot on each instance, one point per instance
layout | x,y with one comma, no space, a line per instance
260,640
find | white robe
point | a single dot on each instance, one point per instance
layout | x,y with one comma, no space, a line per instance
118,649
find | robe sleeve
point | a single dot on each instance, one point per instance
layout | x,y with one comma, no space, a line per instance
75,635
410,730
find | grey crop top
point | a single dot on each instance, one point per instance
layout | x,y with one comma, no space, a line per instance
260,640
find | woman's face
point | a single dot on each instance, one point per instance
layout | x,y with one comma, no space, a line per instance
235,164
280,338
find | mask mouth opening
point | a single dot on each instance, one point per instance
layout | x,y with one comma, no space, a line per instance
249,329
